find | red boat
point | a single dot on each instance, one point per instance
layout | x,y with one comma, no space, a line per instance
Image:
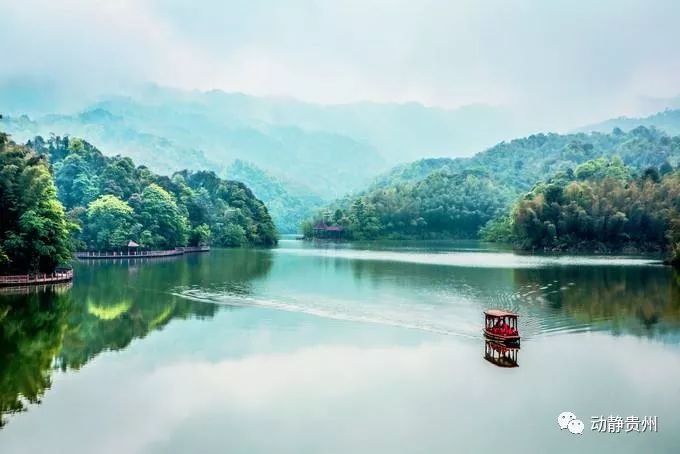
501,326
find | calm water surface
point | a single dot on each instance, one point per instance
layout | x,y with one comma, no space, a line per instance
340,348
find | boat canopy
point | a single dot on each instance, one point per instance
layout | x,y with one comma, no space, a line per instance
499,313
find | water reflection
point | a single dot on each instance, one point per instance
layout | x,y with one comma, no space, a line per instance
639,300
32,328
501,355
345,377
111,304
642,301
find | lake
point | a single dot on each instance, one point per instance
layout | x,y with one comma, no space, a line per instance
339,348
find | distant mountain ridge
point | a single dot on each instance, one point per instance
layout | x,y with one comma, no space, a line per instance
667,121
330,150
520,163
459,198
287,203
115,136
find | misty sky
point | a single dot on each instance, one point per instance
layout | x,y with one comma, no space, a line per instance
567,61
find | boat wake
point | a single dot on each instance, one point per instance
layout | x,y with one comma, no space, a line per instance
334,312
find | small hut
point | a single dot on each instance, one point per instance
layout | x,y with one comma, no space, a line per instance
132,245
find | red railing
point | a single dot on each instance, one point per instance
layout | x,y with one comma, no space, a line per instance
40,278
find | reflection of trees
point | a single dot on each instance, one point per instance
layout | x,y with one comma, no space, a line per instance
118,303
32,326
411,274
634,300
108,307
91,329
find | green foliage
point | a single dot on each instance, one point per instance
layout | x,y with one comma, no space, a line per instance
521,163
117,202
200,235
108,223
602,212
34,231
602,168
420,201
163,225
228,204
498,230
232,235
442,205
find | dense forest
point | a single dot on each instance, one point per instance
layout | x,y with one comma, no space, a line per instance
113,202
609,192
441,206
34,230
520,163
601,206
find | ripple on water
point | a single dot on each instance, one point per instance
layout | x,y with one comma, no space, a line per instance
427,320
447,304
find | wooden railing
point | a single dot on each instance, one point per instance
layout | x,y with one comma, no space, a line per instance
140,254
127,255
40,278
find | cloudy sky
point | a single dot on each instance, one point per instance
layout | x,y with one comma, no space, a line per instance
565,60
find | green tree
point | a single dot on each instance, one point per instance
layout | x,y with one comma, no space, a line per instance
108,223
34,231
160,216
200,235
166,210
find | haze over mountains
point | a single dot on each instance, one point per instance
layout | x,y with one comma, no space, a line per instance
294,155
312,152
667,121
381,133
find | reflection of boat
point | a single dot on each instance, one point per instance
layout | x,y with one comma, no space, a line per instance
501,326
501,355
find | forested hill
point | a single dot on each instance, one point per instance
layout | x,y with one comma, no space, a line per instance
288,203
443,205
456,198
114,201
520,163
114,136
603,206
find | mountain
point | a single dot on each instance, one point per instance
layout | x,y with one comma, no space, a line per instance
329,150
667,121
332,149
115,136
115,201
455,197
520,163
442,205
288,204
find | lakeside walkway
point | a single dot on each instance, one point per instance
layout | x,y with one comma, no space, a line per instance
36,279
141,254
